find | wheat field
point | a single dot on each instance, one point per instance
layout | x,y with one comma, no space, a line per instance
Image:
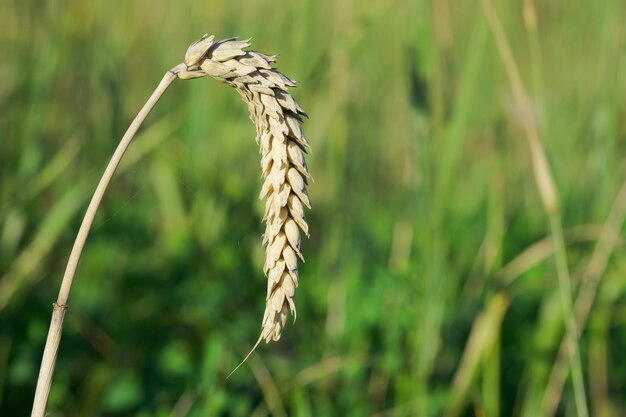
465,255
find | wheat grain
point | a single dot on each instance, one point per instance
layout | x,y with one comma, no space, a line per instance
277,117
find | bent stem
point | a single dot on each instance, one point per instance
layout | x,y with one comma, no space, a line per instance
60,307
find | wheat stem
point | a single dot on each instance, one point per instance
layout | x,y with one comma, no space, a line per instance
548,193
60,307
590,280
571,328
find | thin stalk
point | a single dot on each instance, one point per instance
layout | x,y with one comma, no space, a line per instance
571,328
60,307
549,199
606,242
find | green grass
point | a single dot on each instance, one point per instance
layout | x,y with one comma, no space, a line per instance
423,195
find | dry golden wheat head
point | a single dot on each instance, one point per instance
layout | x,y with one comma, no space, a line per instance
277,117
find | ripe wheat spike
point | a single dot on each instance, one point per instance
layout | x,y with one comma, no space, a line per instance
277,117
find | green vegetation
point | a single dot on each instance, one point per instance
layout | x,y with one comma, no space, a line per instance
431,284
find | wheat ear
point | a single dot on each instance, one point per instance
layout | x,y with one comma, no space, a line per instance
277,117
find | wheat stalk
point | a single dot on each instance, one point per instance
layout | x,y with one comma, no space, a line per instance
277,117
46,370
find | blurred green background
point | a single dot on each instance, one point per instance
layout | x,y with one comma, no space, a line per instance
430,284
